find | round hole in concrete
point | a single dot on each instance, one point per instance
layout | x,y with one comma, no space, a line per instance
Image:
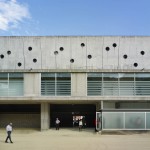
56,52
89,56
125,56
72,60
8,52
34,60
2,56
82,44
114,45
142,52
107,48
135,64
19,64
30,48
61,48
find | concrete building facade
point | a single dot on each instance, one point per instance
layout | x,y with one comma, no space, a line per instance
42,78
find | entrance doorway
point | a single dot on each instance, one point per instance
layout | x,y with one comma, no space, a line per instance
67,113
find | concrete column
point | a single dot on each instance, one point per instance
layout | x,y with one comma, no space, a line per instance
45,116
78,84
32,84
98,106
102,105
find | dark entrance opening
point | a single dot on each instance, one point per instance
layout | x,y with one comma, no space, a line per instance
66,113
21,115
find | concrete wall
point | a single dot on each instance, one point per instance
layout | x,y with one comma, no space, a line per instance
108,105
32,84
44,49
78,84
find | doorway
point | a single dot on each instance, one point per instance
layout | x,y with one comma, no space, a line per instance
67,112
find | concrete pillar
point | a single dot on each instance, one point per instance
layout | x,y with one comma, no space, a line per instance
102,105
32,84
78,84
45,116
98,106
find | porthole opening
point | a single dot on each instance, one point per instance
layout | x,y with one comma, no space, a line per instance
56,52
34,60
2,56
135,64
107,48
8,52
61,48
82,44
114,45
30,48
125,56
72,60
19,64
142,52
89,56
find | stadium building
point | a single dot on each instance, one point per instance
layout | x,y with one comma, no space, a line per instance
103,79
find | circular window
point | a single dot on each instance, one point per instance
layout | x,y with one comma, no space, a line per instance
56,52
89,56
34,60
19,64
72,60
8,52
30,48
135,64
82,44
61,48
107,48
142,52
125,56
2,56
114,45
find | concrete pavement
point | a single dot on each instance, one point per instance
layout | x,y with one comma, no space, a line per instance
72,139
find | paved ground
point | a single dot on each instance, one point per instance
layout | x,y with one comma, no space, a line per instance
72,139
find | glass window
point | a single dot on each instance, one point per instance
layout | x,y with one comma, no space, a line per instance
126,84
56,84
11,84
118,84
63,84
15,84
94,84
142,84
110,84
112,120
48,84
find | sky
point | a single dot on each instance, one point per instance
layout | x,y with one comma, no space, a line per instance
74,17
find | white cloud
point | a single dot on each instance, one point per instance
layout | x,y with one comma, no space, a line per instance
12,13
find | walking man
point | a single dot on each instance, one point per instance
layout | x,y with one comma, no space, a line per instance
9,130
57,122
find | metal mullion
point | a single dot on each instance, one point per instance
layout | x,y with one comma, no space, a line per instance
8,84
119,84
134,85
55,84
102,84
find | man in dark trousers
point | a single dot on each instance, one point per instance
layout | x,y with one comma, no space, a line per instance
57,122
9,130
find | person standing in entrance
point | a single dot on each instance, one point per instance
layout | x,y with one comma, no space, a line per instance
57,122
80,124
9,130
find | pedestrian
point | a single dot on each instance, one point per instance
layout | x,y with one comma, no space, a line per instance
9,130
80,124
57,122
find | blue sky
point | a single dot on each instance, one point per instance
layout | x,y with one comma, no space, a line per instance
74,17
